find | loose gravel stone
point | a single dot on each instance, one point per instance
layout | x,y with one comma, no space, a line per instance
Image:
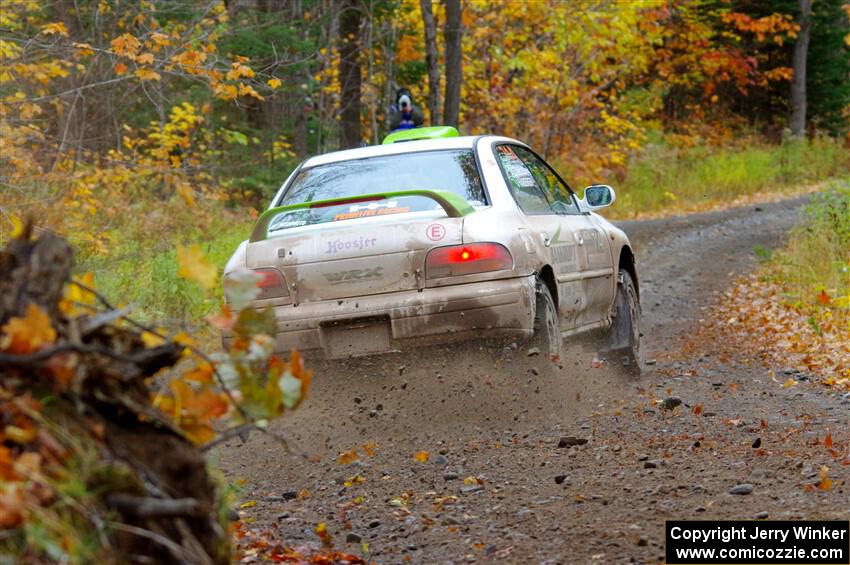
570,441
670,403
744,488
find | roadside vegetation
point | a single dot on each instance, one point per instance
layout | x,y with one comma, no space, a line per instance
664,180
798,304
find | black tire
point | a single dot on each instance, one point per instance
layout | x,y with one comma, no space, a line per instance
547,327
621,345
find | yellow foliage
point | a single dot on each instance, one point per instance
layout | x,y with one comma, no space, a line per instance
147,74
74,296
55,28
126,45
193,265
238,70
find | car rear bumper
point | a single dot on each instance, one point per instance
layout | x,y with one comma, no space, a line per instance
399,320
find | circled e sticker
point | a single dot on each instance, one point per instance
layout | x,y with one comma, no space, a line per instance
435,232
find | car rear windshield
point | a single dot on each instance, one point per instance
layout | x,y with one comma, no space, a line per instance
449,170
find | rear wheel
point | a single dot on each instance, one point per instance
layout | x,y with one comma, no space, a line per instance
547,328
621,344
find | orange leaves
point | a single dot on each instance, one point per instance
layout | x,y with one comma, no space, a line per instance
194,410
147,74
7,464
238,70
247,90
11,505
408,48
55,28
825,482
353,454
776,27
203,374
191,60
27,334
779,74
805,338
347,457
126,45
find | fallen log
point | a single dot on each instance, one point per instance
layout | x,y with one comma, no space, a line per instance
81,444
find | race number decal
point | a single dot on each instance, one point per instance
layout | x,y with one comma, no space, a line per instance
435,232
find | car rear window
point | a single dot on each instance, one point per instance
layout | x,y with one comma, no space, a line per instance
449,170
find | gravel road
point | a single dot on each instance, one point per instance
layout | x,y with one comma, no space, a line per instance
527,464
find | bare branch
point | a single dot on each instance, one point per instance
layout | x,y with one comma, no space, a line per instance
147,507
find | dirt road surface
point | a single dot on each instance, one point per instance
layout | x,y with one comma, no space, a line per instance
496,486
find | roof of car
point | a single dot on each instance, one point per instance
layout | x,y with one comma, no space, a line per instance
464,142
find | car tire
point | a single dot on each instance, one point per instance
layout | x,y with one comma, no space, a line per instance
547,328
621,344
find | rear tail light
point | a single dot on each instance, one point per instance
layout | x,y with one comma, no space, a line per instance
456,260
271,284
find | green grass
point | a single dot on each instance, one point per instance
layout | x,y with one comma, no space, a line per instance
141,266
817,257
665,179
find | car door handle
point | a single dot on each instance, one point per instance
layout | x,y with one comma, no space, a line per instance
546,241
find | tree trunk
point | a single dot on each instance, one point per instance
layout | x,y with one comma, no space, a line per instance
349,73
453,34
798,83
433,61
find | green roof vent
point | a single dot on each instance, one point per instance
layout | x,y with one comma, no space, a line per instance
435,132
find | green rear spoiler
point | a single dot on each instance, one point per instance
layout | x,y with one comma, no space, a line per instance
454,205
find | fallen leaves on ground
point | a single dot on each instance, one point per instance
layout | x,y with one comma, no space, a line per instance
263,546
811,340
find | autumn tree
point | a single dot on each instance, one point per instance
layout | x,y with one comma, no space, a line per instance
350,73
432,59
798,83
453,33
828,67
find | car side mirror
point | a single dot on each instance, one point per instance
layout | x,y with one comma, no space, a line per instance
598,196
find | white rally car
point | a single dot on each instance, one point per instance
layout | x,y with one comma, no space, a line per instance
439,239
